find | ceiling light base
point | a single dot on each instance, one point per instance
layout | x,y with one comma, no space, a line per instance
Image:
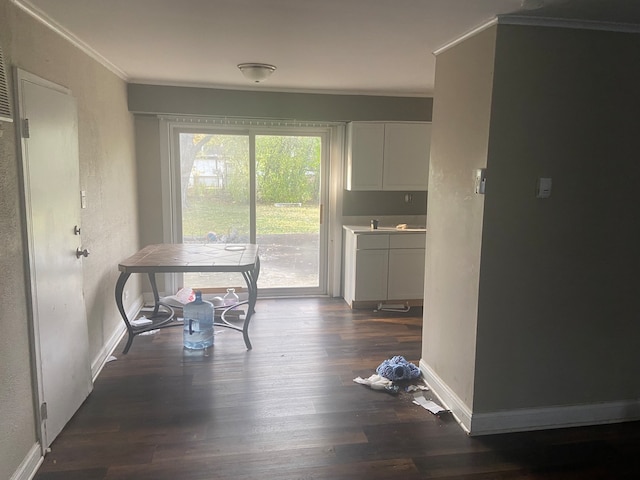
256,72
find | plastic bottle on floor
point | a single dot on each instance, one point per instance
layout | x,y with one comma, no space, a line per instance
198,324
231,298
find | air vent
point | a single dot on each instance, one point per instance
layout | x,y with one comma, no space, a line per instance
5,104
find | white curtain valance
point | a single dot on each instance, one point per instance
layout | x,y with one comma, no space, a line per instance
245,122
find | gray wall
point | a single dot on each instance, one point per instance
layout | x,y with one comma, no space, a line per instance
549,318
109,224
147,129
383,203
558,311
148,100
459,139
299,106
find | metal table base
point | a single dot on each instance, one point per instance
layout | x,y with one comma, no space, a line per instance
174,258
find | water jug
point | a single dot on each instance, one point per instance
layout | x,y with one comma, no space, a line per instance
198,324
231,298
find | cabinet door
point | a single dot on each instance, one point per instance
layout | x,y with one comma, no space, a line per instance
371,274
349,282
406,156
406,274
365,156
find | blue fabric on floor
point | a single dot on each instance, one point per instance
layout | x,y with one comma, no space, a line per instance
397,368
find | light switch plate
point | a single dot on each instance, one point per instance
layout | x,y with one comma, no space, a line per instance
480,180
544,188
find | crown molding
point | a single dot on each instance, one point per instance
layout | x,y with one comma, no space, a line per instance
530,21
576,24
47,21
465,36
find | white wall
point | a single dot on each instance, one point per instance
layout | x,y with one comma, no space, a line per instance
109,224
459,140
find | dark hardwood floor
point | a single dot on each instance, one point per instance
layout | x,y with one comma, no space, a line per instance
289,409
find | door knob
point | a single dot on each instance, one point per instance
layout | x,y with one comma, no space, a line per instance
82,252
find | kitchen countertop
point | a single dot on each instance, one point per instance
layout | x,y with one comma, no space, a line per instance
366,229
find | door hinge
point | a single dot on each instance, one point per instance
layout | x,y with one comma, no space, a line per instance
43,411
25,128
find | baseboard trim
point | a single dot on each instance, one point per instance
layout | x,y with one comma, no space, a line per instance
530,419
522,420
447,397
101,359
29,466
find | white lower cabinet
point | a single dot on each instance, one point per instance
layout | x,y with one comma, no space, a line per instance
406,274
371,274
384,266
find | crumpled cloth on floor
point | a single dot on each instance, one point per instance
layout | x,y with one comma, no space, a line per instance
376,382
397,368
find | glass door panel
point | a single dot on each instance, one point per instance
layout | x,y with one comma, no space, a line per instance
262,187
288,210
215,197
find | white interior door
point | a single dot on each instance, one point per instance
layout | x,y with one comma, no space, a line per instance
52,198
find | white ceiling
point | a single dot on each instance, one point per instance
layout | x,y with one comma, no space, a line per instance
379,47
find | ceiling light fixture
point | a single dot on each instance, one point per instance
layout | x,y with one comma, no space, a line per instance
256,72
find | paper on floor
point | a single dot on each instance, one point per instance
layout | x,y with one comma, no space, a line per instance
433,407
150,332
415,388
141,322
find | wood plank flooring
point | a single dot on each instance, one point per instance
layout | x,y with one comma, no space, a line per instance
289,409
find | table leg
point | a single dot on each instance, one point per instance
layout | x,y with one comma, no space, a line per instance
122,280
251,279
156,297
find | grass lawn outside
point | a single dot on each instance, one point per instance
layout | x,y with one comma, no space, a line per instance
206,214
288,236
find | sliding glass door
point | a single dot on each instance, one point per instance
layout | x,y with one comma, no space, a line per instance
288,209
259,185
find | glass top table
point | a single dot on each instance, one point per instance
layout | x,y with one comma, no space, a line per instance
186,257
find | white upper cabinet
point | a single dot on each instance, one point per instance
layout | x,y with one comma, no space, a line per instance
365,150
387,156
406,156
